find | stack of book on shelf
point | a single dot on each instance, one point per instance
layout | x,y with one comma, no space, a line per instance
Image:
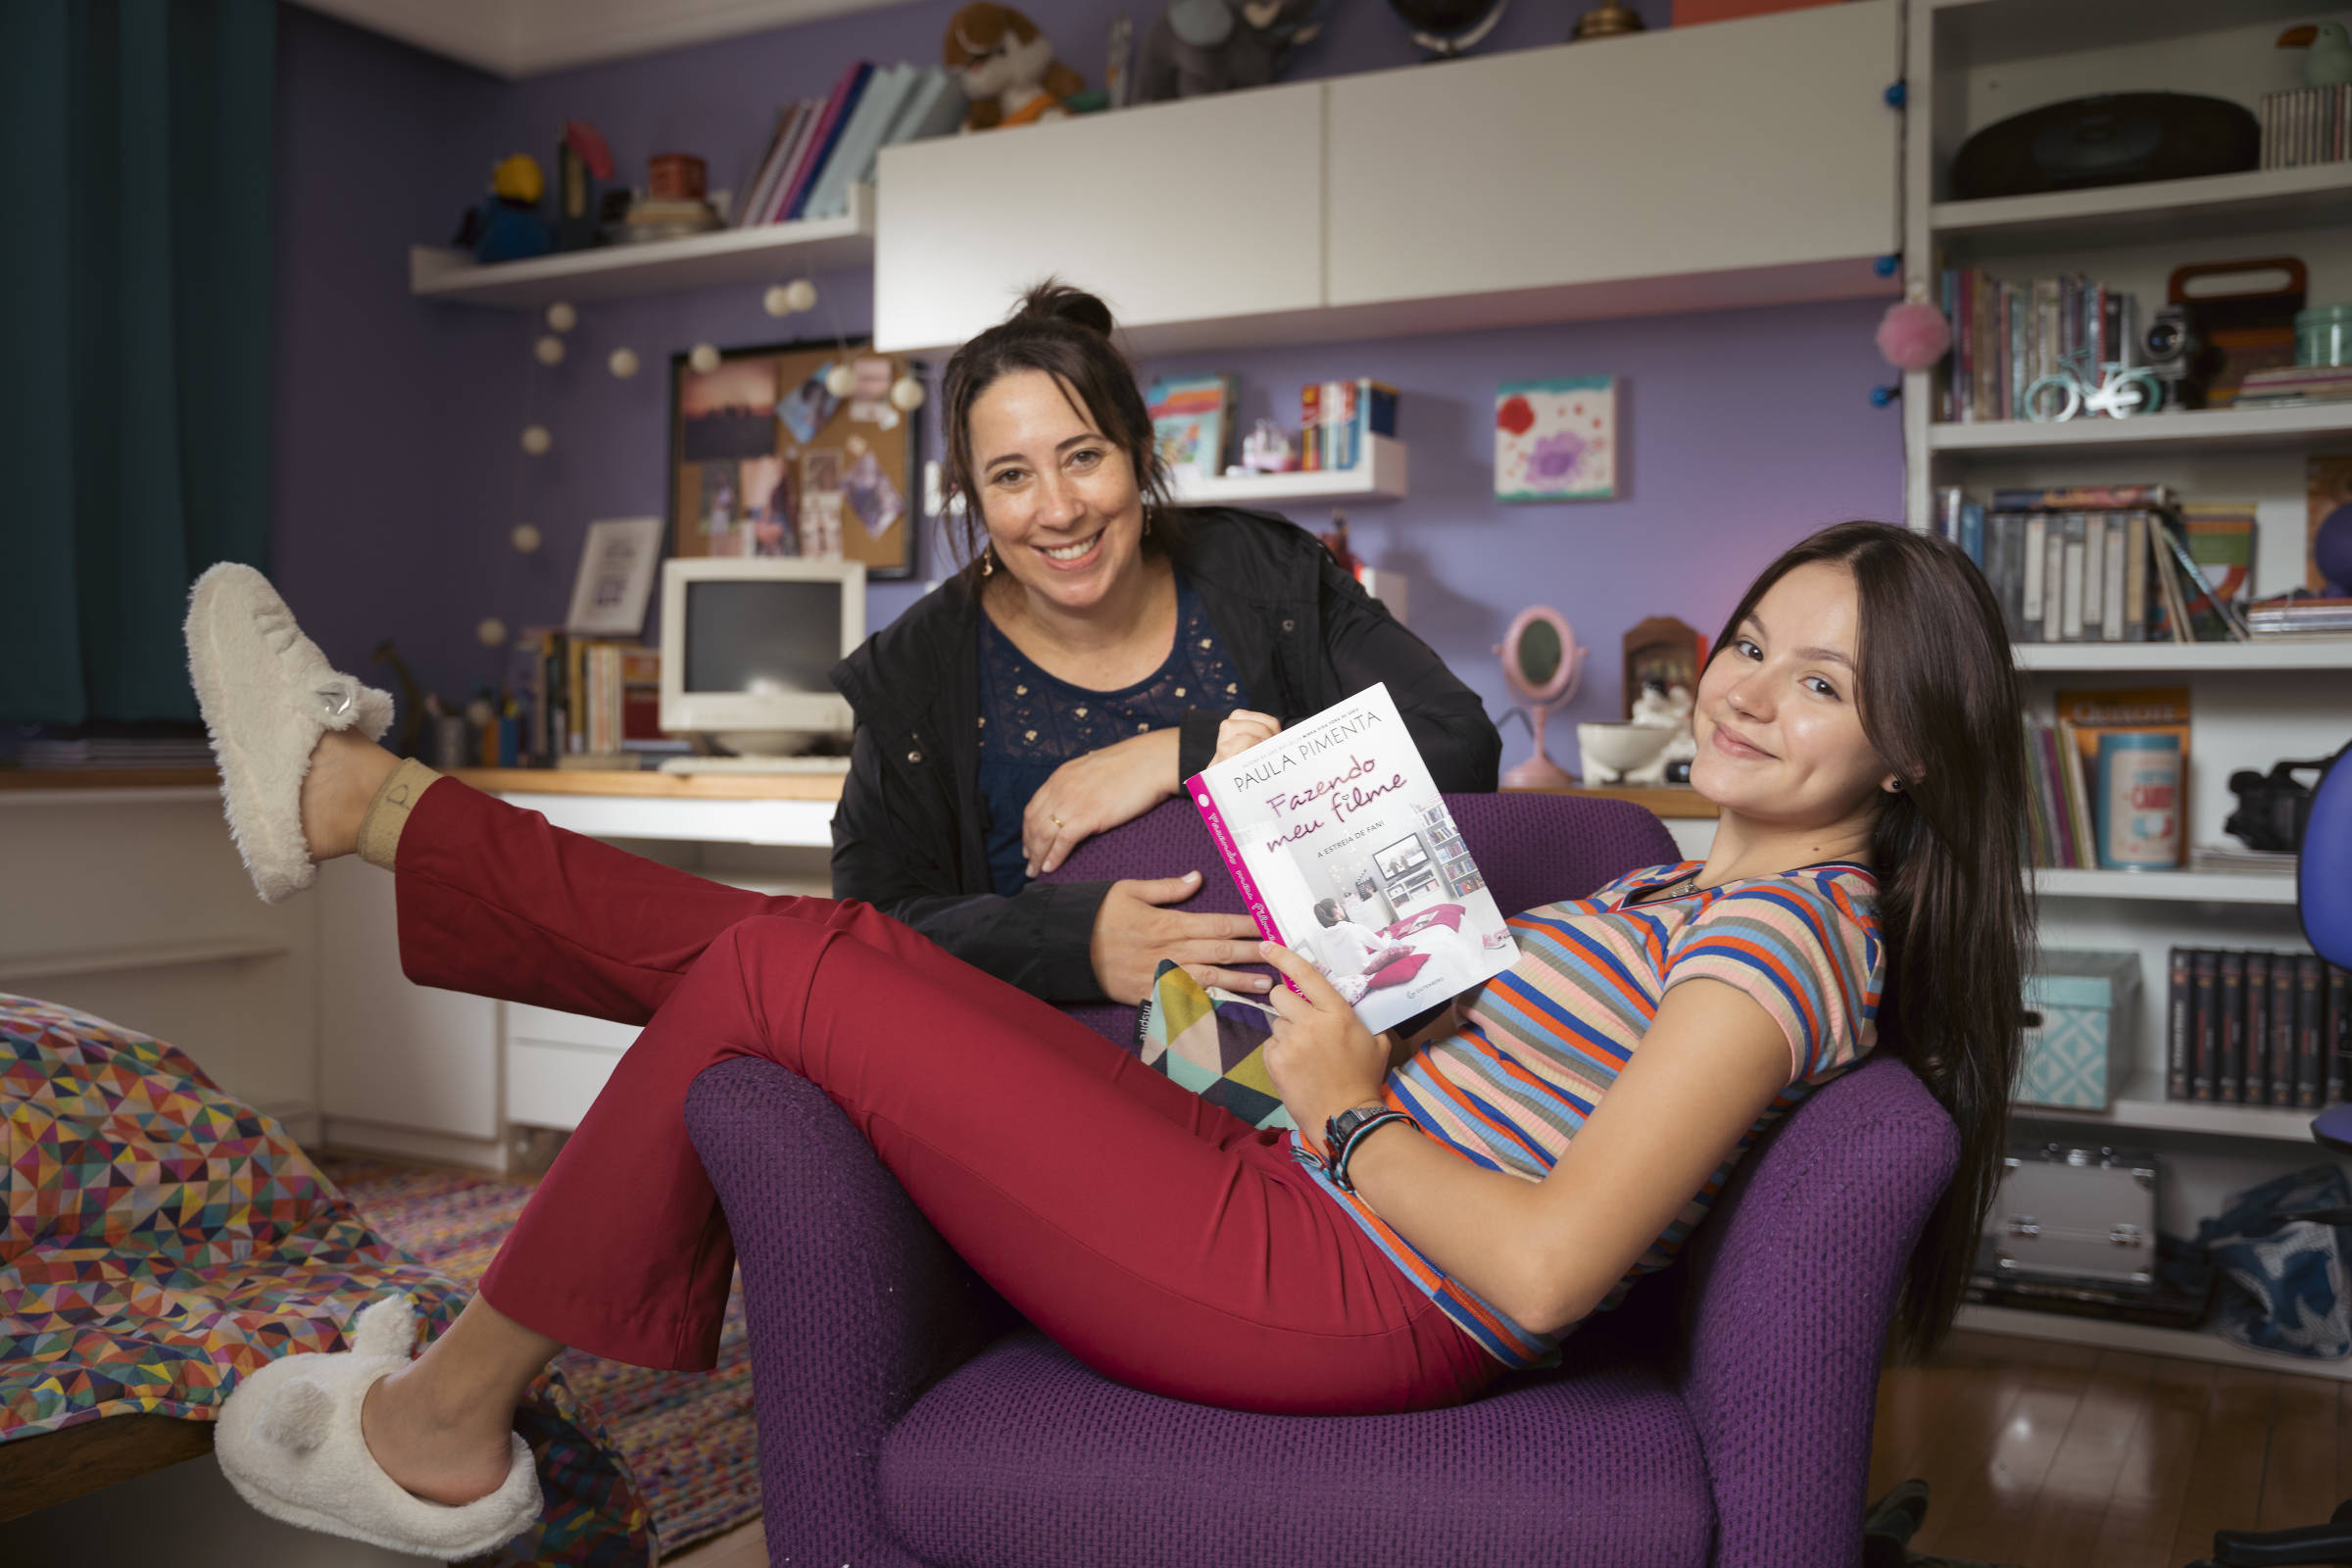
2109,564
1338,419
587,702
1192,423
2006,337
2300,613
2306,126
2062,757
2292,386
823,146
2257,1028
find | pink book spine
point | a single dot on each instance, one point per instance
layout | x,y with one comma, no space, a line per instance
1234,862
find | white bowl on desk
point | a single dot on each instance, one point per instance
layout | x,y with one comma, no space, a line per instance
1609,751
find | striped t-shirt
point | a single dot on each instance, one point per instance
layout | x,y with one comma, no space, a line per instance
1543,1042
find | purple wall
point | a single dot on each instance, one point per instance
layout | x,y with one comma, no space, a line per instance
400,475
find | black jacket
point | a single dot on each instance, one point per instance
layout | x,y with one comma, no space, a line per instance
911,836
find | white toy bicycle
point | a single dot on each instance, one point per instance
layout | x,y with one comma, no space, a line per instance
2120,392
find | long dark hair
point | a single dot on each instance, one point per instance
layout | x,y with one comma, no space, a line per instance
1940,704
1065,332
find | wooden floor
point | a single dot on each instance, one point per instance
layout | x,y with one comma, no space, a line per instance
2064,1456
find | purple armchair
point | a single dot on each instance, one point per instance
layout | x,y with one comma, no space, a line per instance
1721,1416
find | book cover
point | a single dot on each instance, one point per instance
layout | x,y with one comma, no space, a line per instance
2311,1022
2154,709
1344,852
2230,1076
761,185
2179,1025
853,160
796,152
2205,1013
2283,1030
1190,421
835,118
2255,1025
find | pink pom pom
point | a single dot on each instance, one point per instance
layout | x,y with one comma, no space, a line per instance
1913,335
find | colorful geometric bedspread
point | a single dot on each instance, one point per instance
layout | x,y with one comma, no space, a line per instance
163,1239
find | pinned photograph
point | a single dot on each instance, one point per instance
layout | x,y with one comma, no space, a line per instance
870,497
727,412
807,407
1556,440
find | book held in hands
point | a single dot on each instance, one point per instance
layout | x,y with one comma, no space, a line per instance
1344,853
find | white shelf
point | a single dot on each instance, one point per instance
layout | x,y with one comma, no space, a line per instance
115,961
2261,654
763,255
2313,197
2186,886
2189,430
2194,1345
2142,1106
1381,478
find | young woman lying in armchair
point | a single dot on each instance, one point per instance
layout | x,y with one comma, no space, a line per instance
1452,1216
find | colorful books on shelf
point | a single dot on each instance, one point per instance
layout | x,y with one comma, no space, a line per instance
2109,564
821,147
2293,386
1344,851
1337,420
2306,126
1192,423
585,696
2007,335
2062,818
2300,613
2257,1028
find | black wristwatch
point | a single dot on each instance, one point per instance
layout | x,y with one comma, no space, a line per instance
1344,1132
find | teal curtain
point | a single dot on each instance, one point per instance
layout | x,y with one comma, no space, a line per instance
134,380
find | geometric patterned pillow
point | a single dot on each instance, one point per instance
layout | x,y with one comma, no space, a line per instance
1213,1044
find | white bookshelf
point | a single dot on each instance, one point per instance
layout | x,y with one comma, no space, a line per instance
2168,658
2189,430
767,254
2167,887
1381,477
1969,64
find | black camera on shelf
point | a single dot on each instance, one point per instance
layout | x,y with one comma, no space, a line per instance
2274,807
2178,356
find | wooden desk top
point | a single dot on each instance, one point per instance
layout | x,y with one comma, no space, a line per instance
647,784
108,778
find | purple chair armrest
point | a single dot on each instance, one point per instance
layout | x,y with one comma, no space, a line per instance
854,1305
1789,1302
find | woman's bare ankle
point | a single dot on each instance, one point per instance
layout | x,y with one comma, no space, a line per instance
432,1451
345,773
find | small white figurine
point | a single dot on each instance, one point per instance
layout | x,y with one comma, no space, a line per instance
1664,710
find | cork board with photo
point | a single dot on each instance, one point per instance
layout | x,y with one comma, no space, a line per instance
766,460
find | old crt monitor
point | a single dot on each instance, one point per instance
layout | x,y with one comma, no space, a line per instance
746,646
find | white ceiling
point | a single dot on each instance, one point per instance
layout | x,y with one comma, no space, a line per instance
526,37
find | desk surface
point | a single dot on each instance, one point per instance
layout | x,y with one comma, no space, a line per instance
650,785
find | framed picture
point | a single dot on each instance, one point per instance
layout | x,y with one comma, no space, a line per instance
615,578
1556,440
766,461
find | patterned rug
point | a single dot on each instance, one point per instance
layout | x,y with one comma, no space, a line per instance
687,1436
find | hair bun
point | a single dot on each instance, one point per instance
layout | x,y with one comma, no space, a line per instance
1054,300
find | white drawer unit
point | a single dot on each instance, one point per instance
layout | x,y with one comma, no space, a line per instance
557,1064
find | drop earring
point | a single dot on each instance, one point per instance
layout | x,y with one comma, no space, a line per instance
988,561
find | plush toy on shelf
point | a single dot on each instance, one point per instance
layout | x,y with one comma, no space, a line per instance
507,226
1198,47
1006,67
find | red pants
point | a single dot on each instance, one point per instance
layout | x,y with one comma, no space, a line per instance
1160,1240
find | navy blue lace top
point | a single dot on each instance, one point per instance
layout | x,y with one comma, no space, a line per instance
1031,723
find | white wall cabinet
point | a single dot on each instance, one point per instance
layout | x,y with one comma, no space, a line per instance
1671,170
1196,212
1744,163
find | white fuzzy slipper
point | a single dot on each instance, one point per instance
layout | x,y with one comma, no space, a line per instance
268,694
289,1441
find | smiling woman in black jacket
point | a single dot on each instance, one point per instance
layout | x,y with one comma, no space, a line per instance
1082,667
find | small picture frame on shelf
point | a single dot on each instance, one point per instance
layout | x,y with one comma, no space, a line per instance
616,579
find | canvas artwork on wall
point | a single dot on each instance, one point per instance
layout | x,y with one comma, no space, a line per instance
768,460
1556,440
